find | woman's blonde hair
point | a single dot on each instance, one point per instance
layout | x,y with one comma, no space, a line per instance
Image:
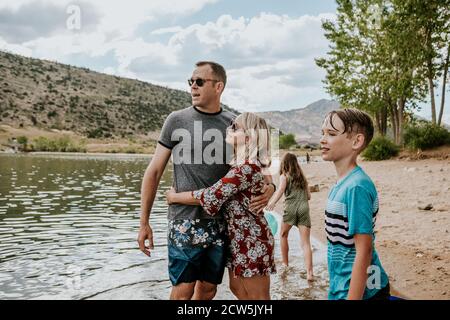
289,167
258,147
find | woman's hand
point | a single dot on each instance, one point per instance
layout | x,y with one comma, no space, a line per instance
170,195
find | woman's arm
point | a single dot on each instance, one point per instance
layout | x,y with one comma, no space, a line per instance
212,198
181,198
276,197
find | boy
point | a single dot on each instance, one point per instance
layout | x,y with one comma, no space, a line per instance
353,264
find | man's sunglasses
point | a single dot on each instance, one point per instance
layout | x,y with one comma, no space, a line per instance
200,82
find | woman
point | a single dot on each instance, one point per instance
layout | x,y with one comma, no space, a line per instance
251,259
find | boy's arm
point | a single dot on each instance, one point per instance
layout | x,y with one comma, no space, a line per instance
363,244
276,197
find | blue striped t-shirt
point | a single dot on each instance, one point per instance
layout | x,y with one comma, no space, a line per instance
352,208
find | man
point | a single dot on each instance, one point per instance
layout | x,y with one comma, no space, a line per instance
197,242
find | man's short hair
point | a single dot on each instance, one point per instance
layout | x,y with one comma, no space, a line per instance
218,70
355,121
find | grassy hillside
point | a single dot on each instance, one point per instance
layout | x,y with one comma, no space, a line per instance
47,95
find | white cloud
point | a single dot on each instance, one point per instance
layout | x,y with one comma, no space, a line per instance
269,59
117,17
167,30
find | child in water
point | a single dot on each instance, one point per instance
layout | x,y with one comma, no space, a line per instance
296,209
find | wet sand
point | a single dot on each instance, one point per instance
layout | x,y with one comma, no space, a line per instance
413,244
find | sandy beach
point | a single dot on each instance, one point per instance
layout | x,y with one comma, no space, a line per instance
413,244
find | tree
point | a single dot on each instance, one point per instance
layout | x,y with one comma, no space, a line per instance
287,141
371,64
433,21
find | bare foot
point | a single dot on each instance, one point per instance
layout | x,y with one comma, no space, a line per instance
310,277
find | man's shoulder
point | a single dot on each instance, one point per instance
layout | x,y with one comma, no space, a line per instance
178,116
181,113
228,114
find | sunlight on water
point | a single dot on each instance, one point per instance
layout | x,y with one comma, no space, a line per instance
68,229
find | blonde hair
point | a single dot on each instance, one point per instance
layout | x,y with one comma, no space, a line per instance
257,130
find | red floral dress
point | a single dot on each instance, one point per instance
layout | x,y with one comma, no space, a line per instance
251,241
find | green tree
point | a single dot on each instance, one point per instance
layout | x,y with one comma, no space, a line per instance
287,141
371,64
432,18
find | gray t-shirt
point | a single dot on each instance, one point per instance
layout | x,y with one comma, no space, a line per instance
199,153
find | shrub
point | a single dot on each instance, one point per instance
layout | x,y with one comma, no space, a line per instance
23,141
286,141
51,114
380,148
426,136
62,144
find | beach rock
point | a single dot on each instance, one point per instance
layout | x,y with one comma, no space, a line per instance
427,207
314,188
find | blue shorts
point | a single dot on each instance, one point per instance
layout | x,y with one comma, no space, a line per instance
189,264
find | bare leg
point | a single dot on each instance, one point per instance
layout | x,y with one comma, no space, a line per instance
284,242
257,287
182,291
237,287
307,252
204,290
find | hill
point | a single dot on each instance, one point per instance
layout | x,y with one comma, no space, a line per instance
305,123
48,95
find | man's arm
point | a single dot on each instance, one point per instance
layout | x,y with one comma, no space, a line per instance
260,202
276,197
363,244
149,187
181,198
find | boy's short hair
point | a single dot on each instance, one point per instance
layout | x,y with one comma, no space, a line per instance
354,121
218,70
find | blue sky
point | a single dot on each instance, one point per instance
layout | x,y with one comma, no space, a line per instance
268,47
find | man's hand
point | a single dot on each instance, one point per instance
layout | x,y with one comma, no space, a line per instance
145,233
257,204
169,195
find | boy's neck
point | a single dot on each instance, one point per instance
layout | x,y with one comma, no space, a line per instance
344,166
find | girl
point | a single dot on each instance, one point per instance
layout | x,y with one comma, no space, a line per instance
251,259
296,209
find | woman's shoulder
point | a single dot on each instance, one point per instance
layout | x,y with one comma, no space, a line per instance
247,167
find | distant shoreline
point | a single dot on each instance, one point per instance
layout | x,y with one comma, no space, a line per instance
40,153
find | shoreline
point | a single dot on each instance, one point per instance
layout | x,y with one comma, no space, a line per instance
54,153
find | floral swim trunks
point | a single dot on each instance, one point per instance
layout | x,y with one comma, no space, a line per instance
197,250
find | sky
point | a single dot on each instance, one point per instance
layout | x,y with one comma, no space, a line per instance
268,47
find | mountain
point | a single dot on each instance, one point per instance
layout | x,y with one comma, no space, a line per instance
305,123
50,95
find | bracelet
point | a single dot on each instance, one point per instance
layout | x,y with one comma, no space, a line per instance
274,186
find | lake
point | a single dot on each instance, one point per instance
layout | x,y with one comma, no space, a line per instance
68,229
